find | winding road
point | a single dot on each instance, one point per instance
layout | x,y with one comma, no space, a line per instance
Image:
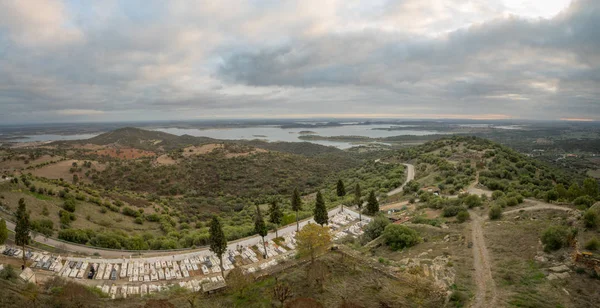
410,175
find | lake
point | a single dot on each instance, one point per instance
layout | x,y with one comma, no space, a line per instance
268,133
275,133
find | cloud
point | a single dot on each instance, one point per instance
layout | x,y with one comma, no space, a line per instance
143,60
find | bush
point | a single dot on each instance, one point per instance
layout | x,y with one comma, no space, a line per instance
497,194
512,201
453,210
463,216
399,236
555,237
130,212
586,201
495,212
43,226
473,201
591,219
592,244
74,235
8,273
458,298
139,220
375,228
69,205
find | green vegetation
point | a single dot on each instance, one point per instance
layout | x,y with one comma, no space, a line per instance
592,244
22,227
320,212
591,219
399,236
3,231
372,204
217,240
463,216
495,212
375,228
555,237
312,241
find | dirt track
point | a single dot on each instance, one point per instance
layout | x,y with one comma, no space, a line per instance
486,295
410,175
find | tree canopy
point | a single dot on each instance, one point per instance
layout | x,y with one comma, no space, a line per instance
313,240
341,190
372,204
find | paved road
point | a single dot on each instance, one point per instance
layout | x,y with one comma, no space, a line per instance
180,254
410,175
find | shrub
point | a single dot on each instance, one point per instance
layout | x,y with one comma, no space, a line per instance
586,201
69,205
497,194
375,228
399,236
74,235
43,226
512,201
463,216
453,210
139,220
130,212
8,273
495,212
555,237
473,201
592,244
591,219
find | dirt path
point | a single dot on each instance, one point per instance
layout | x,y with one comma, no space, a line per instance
539,205
486,295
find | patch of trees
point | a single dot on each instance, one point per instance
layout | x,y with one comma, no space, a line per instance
399,237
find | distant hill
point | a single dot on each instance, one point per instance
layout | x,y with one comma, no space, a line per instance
141,139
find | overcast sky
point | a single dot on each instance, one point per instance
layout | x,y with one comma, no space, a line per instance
63,61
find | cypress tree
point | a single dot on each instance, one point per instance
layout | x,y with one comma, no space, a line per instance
218,242
341,190
372,204
296,206
261,228
358,200
320,210
275,215
22,228
3,231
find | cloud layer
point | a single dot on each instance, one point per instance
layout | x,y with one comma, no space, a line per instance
145,60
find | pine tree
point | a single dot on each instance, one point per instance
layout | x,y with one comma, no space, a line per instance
320,210
3,231
358,200
372,204
261,228
22,228
218,242
275,215
296,206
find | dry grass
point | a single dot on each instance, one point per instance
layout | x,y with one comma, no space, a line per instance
521,280
125,153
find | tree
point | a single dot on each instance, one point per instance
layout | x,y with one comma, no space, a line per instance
75,178
551,195
372,204
3,231
261,229
358,200
375,228
313,240
296,206
238,281
563,193
320,212
495,212
574,191
275,215
281,291
218,242
590,187
341,190
399,236
22,228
